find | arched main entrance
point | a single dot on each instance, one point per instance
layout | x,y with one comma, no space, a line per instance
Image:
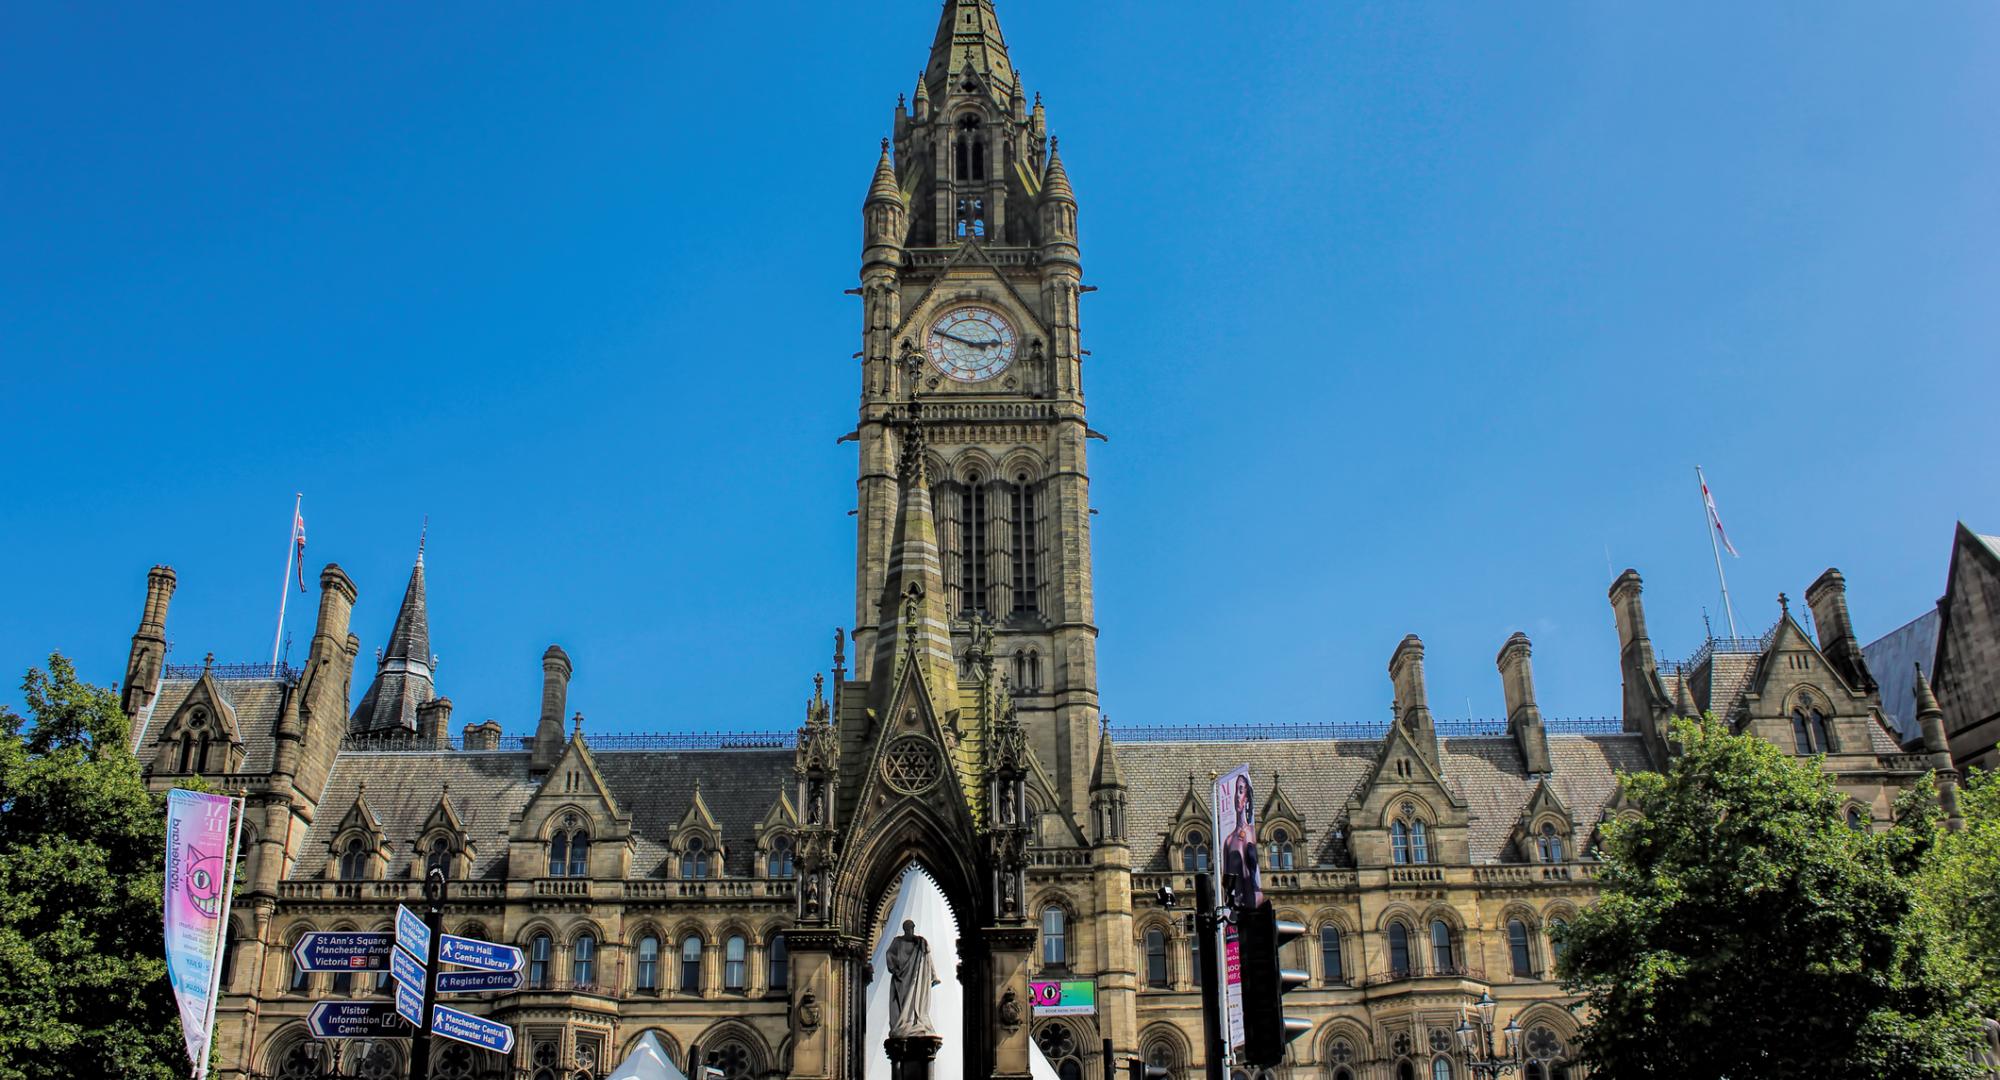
919,898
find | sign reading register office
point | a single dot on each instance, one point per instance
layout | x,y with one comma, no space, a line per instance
724,893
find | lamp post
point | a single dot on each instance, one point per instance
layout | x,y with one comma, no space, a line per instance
1483,1057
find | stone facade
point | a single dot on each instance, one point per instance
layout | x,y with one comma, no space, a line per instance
724,895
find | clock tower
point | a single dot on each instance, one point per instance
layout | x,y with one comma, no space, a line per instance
969,284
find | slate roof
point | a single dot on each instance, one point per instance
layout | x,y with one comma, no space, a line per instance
1320,776
255,701
487,787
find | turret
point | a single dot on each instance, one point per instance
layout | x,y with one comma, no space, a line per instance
548,744
1406,672
1930,721
1058,219
403,680
1827,597
148,658
1524,718
1107,793
885,218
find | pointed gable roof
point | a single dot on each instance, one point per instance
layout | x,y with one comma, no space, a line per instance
1193,807
443,816
1279,806
360,816
885,188
698,816
916,627
403,678
1108,774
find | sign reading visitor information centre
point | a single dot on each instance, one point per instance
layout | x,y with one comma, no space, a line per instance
355,1019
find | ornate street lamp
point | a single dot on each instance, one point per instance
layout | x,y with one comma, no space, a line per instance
1483,1058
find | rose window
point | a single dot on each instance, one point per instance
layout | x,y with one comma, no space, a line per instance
1056,1042
1543,1044
1340,1053
911,765
1440,1041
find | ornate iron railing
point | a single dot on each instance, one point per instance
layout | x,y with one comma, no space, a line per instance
1366,732
232,671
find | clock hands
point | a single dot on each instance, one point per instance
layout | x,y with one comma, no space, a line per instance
968,341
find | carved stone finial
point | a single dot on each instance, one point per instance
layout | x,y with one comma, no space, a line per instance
208,661
1784,604
819,685
576,724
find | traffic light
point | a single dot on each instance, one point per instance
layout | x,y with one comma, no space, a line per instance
1142,1071
1266,1029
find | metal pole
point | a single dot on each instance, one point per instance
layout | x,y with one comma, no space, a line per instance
1211,992
1110,1068
420,1046
1708,522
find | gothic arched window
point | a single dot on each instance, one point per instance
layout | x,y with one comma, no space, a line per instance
1194,852
1399,948
694,859
1821,734
647,968
1399,843
1441,950
1055,937
1517,948
1420,851
972,539
583,960
780,859
1802,736
1441,1068
1332,969
579,854
1557,947
558,854
691,964
735,963
438,858
1549,844
541,948
1026,549
354,860
1857,819
1156,958
778,962
1281,850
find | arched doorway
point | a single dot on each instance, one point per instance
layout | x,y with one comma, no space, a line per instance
917,897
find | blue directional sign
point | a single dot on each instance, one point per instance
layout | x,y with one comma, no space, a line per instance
411,933
477,982
407,970
343,950
474,953
356,1019
410,1003
472,1030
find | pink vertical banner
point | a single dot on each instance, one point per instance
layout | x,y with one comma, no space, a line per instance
201,860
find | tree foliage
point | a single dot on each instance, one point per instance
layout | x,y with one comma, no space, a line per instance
1746,931
85,991
1960,886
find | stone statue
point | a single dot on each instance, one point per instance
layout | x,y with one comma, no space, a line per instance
910,980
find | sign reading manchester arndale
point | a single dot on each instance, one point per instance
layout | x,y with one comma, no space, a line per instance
343,950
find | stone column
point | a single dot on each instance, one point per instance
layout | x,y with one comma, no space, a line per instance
910,1057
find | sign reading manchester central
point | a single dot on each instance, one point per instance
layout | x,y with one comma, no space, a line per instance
472,1030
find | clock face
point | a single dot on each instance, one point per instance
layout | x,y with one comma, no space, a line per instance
971,343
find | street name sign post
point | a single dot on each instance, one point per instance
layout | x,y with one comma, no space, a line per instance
471,1030
342,950
410,1003
412,933
355,1019
477,982
407,971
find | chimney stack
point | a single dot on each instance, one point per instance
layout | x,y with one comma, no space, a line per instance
1524,719
1827,597
434,723
484,736
555,697
1406,673
148,658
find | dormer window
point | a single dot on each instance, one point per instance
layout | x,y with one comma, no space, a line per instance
1194,852
1281,849
354,860
1409,839
1549,844
779,861
569,849
694,859
1809,730
438,858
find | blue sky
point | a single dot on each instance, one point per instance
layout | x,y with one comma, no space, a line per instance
1414,318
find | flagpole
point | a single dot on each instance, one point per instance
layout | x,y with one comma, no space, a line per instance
1716,550
285,586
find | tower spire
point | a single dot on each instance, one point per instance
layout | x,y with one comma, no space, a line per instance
913,599
403,680
969,54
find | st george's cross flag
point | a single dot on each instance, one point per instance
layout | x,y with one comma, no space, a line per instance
1708,500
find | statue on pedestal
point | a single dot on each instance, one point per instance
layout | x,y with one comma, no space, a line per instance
911,977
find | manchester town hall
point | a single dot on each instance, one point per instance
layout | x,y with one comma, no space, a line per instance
724,894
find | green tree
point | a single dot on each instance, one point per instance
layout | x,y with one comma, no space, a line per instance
1960,886
85,991
1746,931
